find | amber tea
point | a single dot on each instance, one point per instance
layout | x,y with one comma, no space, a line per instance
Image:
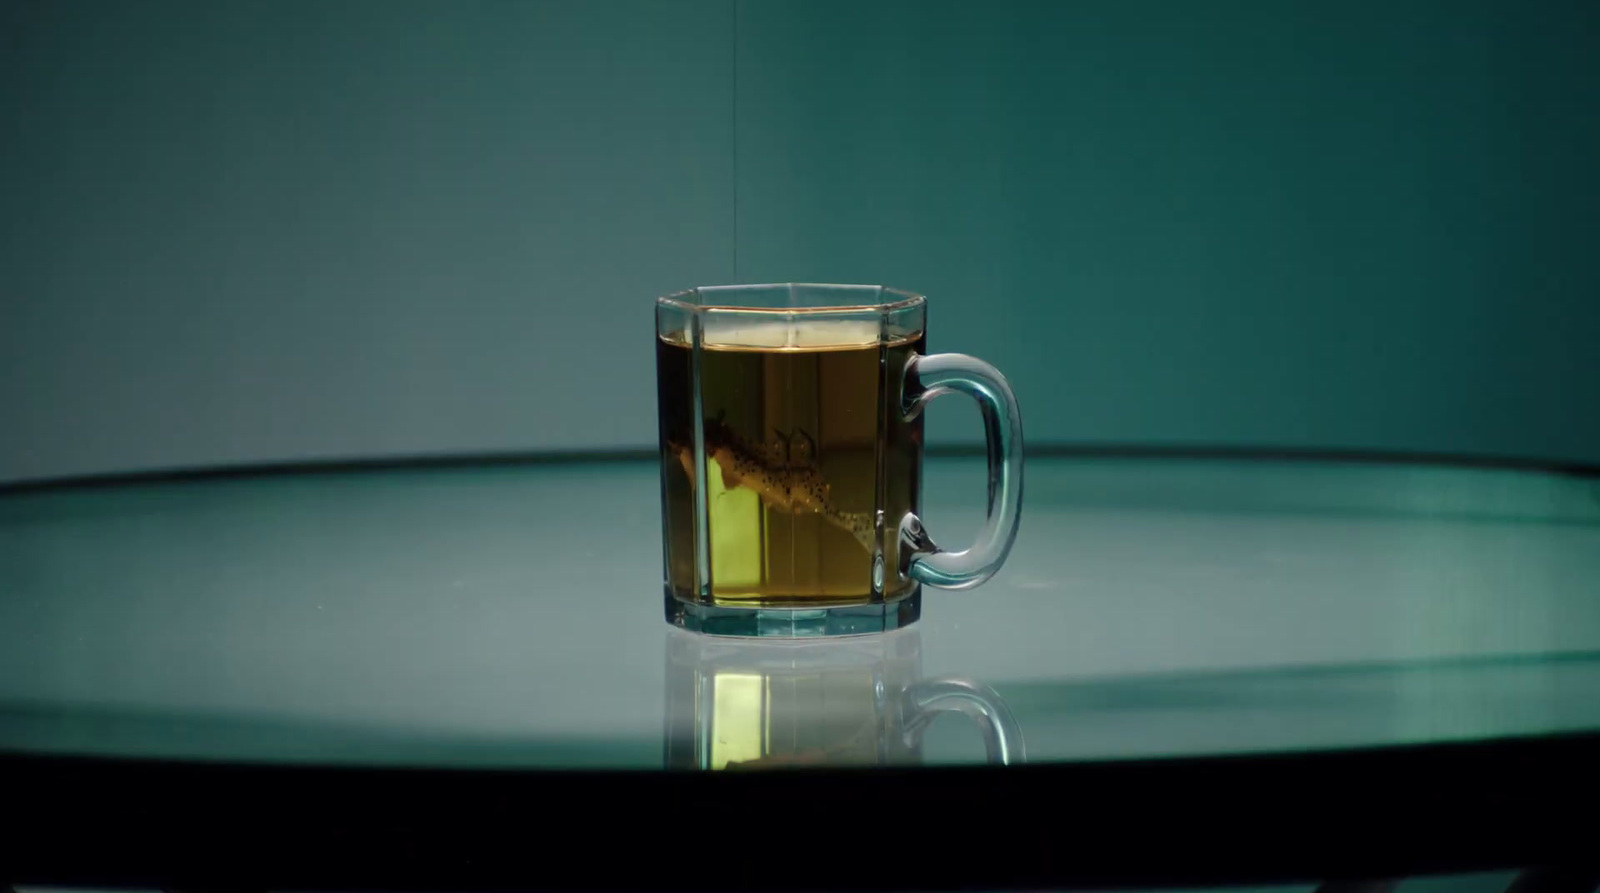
808,471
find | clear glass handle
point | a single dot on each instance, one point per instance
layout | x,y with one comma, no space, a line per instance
921,558
922,701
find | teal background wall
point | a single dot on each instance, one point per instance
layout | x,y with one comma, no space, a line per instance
236,232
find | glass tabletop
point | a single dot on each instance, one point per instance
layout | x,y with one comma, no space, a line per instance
509,616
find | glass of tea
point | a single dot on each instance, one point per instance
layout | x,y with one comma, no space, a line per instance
791,459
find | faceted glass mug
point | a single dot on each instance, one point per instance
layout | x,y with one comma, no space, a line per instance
791,459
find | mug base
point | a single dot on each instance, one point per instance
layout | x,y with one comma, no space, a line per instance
794,623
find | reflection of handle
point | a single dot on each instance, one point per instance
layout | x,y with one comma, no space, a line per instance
923,560
920,702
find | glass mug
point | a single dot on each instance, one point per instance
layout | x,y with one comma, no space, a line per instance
791,459
756,704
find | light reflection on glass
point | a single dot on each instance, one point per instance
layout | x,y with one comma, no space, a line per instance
761,703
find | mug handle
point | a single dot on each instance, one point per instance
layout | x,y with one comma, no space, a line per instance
922,701
921,559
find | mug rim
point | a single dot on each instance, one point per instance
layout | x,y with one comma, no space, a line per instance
692,299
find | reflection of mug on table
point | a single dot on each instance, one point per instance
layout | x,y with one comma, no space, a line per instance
743,703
